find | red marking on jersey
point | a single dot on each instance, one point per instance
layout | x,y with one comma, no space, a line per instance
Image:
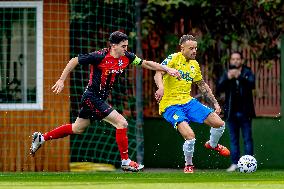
91,75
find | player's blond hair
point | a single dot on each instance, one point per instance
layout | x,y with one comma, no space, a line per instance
185,38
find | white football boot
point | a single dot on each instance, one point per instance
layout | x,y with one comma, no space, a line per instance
128,165
37,141
232,168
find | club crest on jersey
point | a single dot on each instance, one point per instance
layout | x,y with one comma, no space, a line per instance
192,71
175,116
120,62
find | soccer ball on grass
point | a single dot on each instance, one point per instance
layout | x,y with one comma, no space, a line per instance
247,164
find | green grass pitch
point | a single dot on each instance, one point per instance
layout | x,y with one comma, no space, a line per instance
171,179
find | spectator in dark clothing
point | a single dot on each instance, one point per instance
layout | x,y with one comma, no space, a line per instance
238,82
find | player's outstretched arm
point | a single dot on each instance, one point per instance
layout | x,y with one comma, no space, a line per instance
59,85
205,90
159,82
158,67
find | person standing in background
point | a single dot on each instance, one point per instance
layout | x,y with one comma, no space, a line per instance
238,83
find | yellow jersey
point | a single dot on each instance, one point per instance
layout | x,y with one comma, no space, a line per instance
178,91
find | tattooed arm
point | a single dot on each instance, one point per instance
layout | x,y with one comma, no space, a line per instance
206,91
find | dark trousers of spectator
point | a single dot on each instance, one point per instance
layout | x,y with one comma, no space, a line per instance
236,123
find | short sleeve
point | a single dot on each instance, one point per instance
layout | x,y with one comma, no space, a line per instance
168,61
198,75
91,58
133,59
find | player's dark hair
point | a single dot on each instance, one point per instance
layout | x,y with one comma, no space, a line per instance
185,38
116,37
236,52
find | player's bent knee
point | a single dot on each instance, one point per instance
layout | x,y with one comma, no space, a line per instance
77,129
122,124
80,125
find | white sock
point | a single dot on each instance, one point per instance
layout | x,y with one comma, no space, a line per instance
188,149
215,135
125,161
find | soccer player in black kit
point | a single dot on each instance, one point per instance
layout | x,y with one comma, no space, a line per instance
105,65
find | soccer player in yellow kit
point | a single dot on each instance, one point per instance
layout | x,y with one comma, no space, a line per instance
179,108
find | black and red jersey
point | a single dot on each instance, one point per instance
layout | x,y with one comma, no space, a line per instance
104,68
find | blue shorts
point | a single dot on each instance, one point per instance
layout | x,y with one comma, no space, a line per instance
193,111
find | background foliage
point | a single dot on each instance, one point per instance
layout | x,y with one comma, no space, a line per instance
221,26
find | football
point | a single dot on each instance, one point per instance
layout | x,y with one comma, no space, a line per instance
247,164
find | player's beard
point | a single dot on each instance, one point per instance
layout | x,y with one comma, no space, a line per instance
192,57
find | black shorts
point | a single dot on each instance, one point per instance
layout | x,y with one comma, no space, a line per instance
94,108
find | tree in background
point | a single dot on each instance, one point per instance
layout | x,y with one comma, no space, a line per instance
221,26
